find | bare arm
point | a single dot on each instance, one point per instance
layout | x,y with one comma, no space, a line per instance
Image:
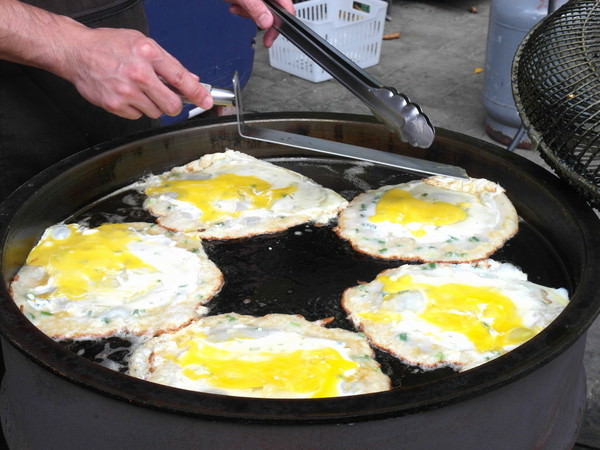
119,70
116,69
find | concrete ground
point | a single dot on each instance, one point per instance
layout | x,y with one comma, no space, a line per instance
436,61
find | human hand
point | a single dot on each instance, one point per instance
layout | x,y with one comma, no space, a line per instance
260,13
119,70
122,71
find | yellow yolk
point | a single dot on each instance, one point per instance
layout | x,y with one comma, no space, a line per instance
314,372
83,260
399,206
205,193
484,315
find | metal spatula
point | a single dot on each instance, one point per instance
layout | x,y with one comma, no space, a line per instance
338,148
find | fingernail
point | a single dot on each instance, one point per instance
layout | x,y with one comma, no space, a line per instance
264,20
206,103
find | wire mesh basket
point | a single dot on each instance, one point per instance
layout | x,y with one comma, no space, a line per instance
556,86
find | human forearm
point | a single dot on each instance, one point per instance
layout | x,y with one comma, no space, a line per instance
120,70
35,37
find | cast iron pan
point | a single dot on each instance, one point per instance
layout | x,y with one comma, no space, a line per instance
305,269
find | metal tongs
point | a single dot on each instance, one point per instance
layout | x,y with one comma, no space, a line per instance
394,109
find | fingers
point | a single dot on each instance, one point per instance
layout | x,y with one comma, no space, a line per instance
175,82
269,37
271,34
151,82
258,11
261,14
129,112
254,9
181,82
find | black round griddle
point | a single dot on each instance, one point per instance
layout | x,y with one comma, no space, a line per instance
304,270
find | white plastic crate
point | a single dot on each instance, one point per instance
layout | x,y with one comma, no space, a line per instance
354,27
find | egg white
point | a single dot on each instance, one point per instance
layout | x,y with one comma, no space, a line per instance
166,293
398,322
490,220
245,340
306,201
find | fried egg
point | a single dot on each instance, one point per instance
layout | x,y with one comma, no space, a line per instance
458,315
132,278
274,356
437,219
233,195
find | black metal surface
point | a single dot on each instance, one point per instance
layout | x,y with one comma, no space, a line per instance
556,86
557,244
540,411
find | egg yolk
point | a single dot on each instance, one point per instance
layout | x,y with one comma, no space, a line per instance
315,372
204,194
399,206
488,318
82,260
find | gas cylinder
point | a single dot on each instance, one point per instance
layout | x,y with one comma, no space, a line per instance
509,22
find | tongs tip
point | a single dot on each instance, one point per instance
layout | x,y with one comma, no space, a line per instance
403,117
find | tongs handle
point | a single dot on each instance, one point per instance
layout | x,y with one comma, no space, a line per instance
317,48
394,109
221,97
